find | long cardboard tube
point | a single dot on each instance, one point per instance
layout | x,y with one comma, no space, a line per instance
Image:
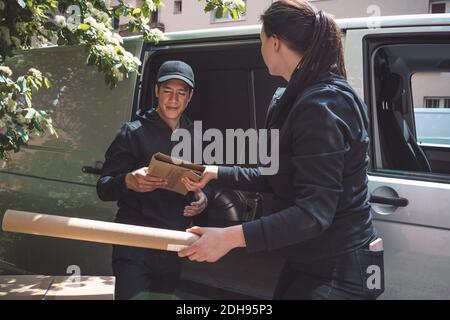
96,231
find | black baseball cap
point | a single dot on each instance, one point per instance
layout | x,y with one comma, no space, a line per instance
175,69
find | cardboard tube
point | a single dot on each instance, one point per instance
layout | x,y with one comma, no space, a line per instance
96,231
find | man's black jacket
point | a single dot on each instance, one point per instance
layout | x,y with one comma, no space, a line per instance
133,148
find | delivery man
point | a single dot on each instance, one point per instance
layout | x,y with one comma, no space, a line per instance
142,273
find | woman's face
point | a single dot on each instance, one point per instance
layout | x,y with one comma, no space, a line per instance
268,52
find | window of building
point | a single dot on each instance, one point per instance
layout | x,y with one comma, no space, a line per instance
431,99
431,103
439,6
115,23
227,16
447,103
154,16
177,7
437,102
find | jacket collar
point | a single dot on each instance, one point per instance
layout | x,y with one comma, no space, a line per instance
280,107
152,116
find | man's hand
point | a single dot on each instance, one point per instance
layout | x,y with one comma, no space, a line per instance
140,181
214,243
198,206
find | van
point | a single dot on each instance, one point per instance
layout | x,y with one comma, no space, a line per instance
389,66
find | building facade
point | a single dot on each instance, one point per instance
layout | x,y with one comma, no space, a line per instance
430,90
180,15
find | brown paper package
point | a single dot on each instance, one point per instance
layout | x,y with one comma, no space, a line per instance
173,169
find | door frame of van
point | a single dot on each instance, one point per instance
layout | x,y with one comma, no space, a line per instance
371,42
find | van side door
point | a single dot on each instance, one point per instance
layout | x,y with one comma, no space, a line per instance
405,75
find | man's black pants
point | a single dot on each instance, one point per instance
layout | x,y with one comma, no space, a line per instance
145,273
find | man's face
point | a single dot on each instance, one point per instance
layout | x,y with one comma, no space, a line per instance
173,97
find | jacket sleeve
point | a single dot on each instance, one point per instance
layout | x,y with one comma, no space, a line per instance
120,159
247,179
318,150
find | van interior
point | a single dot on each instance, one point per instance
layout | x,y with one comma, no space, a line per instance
233,90
394,66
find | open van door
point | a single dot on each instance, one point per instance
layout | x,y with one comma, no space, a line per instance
404,68
233,91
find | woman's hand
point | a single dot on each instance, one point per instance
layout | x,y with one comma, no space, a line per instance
198,206
210,173
140,181
213,244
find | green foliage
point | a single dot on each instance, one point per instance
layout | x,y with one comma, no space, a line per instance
24,23
221,7
19,120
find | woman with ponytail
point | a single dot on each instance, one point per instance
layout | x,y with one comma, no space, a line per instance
320,220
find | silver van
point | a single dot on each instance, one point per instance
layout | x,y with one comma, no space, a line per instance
397,67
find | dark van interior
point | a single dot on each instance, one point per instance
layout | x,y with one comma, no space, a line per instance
233,90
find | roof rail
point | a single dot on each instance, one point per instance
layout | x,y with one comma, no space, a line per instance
345,24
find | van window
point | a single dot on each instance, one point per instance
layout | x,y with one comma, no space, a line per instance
411,94
85,112
431,99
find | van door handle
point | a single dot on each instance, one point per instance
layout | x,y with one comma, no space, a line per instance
395,201
91,170
95,169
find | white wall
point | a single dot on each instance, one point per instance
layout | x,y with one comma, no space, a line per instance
429,84
193,17
364,8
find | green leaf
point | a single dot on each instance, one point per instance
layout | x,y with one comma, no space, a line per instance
234,14
146,11
61,41
28,101
90,59
30,114
52,130
209,7
22,133
84,26
241,7
136,11
24,86
47,83
44,114
219,13
51,26
34,84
